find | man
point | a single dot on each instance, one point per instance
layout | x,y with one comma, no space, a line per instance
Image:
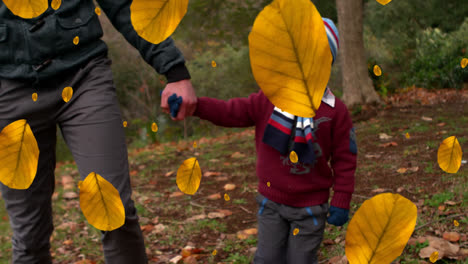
39,56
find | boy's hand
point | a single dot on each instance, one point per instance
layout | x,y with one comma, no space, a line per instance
338,216
185,90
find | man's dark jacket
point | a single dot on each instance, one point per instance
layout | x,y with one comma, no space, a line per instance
43,47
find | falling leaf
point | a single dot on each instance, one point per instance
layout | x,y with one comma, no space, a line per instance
229,186
449,155
67,94
19,155
55,4
34,97
295,231
214,252
125,123
154,127
194,144
268,184
407,135
291,65
27,8
464,62
434,256
100,202
189,176
293,157
226,197
213,64
155,21
98,11
384,2
455,223
377,70
382,237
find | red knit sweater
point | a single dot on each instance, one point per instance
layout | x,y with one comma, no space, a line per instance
297,185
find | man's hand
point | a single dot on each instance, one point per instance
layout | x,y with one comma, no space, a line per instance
184,89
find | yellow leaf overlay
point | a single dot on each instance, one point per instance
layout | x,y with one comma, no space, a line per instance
380,229
295,231
290,55
76,40
268,184
449,155
293,157
124,123
194,144
226,197
464,62
384,2
98,11
214,252
27,8
213,64
434,256
19,155
67,94
55,4
455,223
407,135
100,203
189,176
154,127
155,21
377,70
34,97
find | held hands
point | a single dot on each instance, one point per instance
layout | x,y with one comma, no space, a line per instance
183,103
338,216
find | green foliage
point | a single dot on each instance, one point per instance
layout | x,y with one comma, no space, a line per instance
439,198
238,258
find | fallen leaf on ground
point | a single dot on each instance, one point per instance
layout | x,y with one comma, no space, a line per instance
441,124
450,203
378,190
451,236
389,144
402,170
371,156
225,212
229,186
425,118
244,234
176,194
213,215
169,174
400,189
214,196
237,155
211,173
445,248
383,136
70,195
414,169
67,182
196,217
175,259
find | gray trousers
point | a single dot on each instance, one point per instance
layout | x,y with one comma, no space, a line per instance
277,243
91,124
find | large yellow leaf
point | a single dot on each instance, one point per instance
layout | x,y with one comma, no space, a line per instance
27,8
101,203
156,20
380,229
290,55
449,155
189,176
19,155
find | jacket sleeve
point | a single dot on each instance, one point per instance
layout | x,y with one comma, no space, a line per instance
236,112
164,57
343,157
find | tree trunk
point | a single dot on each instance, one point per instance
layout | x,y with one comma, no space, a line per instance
357,85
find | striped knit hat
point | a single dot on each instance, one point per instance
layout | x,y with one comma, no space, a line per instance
333,37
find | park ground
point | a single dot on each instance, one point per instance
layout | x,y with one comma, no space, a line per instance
192,227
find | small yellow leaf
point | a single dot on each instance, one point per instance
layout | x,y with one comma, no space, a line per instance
55,4
384,2
455,223
380,229
67,94
464,62
125,123
98,11
100,203
377,70
226,197
154,127
434,256
213,64
407,135
295,231
189,176
290,55
293,157
34,97
268,184
214,252
76,40
155,21
27,8
194,144
19,155
449,155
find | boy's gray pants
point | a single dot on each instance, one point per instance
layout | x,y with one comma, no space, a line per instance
92,128
276,223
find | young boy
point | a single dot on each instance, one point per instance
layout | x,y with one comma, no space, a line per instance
293,197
